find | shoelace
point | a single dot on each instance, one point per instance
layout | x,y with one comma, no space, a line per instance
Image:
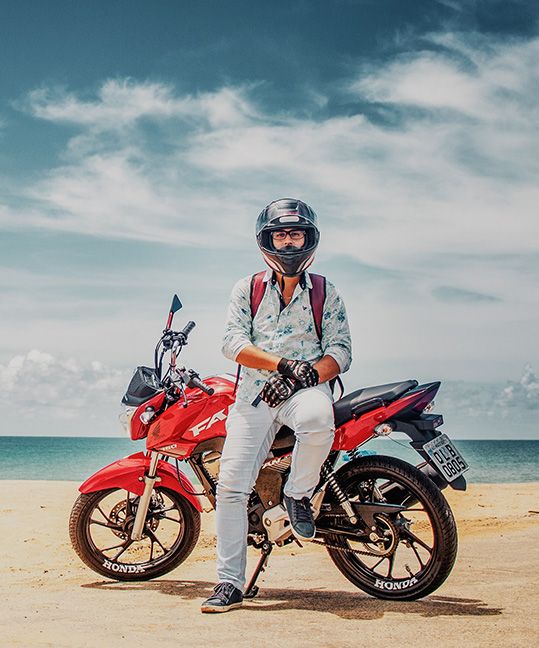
302,510
225,588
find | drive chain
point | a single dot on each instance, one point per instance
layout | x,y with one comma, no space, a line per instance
349,550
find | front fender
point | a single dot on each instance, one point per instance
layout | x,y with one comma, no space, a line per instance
128,473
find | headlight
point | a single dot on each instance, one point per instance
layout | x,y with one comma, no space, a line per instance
126,416
147,415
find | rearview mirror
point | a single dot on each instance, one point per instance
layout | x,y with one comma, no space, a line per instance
175,307
176,304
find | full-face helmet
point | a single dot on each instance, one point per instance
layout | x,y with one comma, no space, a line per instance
287,213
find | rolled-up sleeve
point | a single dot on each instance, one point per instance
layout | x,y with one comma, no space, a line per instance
237,334
336,341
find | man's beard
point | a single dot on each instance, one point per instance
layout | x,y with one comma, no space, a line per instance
290,248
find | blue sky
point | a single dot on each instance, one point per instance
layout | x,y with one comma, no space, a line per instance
138,142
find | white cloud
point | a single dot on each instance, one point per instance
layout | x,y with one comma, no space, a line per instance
445,196
493,82
514,399
524,393
476,410
428,80
121,102
451,177
44,394
452,4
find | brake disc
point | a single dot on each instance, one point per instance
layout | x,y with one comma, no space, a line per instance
118,515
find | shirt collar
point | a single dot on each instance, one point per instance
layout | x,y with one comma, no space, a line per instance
304,282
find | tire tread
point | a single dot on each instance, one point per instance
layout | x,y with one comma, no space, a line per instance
447,527
79,542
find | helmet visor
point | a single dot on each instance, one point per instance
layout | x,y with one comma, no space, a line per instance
284,238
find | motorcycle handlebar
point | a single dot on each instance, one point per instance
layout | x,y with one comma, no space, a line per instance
169,337
194,381
187,329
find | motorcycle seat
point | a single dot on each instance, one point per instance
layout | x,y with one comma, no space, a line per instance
345,407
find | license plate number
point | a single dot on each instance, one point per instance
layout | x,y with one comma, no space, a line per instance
446,457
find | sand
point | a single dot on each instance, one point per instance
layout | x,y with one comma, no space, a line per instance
49,598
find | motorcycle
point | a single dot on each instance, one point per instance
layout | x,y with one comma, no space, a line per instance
385,523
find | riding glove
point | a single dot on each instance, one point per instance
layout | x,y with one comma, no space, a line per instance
277,389
299,370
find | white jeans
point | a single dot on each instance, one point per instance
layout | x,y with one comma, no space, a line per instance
250,433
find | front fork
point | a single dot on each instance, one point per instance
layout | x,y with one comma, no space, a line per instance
149,479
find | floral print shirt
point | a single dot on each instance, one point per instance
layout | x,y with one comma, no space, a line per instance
287,331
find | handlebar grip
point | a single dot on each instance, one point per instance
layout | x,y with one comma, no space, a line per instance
196,382
187,329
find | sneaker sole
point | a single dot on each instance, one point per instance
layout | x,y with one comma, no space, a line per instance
212,609
303,538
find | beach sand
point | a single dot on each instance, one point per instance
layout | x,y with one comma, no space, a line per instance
50,598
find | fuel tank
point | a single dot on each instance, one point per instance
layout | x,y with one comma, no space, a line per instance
180,429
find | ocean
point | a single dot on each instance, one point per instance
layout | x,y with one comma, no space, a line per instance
76,458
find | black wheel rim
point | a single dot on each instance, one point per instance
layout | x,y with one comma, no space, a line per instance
408,538
109,523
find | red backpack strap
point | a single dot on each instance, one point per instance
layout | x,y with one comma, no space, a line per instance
317,296
258,288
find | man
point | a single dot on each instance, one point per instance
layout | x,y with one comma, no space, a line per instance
288,364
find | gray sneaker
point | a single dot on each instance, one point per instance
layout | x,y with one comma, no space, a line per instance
301,518
225,597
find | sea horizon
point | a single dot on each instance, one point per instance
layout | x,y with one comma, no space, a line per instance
68,458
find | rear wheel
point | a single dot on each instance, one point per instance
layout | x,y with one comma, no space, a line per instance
100,528
410,553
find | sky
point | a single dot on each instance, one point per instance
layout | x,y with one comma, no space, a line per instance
139,141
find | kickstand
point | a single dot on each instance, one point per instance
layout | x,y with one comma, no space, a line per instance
252,590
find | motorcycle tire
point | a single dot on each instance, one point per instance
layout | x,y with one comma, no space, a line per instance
104,517
427,512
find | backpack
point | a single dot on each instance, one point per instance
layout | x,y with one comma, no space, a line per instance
317,297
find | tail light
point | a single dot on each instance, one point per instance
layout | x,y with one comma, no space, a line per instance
424,398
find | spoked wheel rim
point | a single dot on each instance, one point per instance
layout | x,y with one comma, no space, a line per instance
410,553
108,529
406,541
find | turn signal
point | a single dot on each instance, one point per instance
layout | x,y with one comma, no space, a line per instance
126,416
429,407
384,429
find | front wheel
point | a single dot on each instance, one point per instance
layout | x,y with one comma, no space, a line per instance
100,527
408,554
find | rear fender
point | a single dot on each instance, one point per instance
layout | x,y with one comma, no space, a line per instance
128,473
394,493
421,430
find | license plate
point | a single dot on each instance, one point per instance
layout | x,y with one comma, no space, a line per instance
446,457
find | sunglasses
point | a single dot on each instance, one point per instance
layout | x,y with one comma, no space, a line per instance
295,235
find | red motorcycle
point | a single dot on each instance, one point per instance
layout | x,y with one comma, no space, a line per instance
385,523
